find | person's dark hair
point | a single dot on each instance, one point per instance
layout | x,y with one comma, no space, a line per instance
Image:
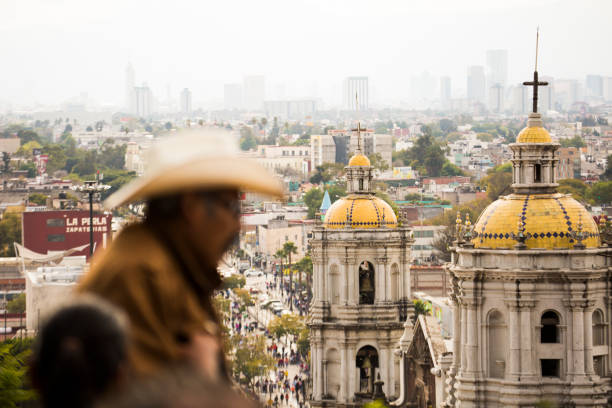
79,353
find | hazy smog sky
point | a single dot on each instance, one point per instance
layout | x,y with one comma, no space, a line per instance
53,50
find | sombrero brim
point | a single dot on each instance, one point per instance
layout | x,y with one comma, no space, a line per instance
214,173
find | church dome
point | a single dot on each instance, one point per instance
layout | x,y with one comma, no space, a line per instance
359,160
360,211
550,220
533,135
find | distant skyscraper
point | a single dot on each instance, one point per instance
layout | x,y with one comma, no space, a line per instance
607,91
254,88
496,98
594,86
232,96
143,101
356,86
129,88
546,101
186,101
445,89
476,83
567,92
497,67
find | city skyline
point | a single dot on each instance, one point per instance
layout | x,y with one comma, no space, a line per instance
402,41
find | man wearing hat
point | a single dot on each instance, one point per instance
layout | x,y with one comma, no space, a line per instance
163,271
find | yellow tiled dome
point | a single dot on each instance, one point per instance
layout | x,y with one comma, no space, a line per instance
550,220
359,160
362,211
534,135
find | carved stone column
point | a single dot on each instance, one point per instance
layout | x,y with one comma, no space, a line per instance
381,279
528,368
576,306
343,372
588,337
515,345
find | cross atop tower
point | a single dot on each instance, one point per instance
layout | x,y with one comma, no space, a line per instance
359,128
535,83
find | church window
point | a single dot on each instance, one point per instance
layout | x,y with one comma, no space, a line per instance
497,337
366,283
360,184
549,332
599,365
537,176
550,368
367,363
599,329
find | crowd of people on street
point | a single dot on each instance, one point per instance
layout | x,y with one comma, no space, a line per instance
286,384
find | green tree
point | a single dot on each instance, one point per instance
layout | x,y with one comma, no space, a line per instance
234,281
14,391
30,168
434,160
313,199
449,169
377,162
577,188
289,249
17,304
37,198
250,359
247,139
27,148
304,266
575,141
286,325
484,137
421,308
281,255
600,193
497,181
244,297
26,136
447,125
303,343
10,232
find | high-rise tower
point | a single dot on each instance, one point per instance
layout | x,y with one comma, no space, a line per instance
129,88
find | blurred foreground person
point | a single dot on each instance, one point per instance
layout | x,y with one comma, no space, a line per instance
80,354
162,271
177,388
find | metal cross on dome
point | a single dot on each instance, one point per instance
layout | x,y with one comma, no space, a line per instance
358,129
535,83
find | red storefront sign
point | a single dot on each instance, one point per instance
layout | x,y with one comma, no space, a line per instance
44,231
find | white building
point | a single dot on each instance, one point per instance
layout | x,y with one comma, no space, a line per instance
185,98
476,84
143,101
254,89
356,87
49,288
232,96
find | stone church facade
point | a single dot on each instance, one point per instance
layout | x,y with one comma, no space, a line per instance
531,294
361,292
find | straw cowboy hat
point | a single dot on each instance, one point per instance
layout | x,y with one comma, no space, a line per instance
201,159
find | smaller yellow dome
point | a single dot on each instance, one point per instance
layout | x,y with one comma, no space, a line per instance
359,160
534,135
360,211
